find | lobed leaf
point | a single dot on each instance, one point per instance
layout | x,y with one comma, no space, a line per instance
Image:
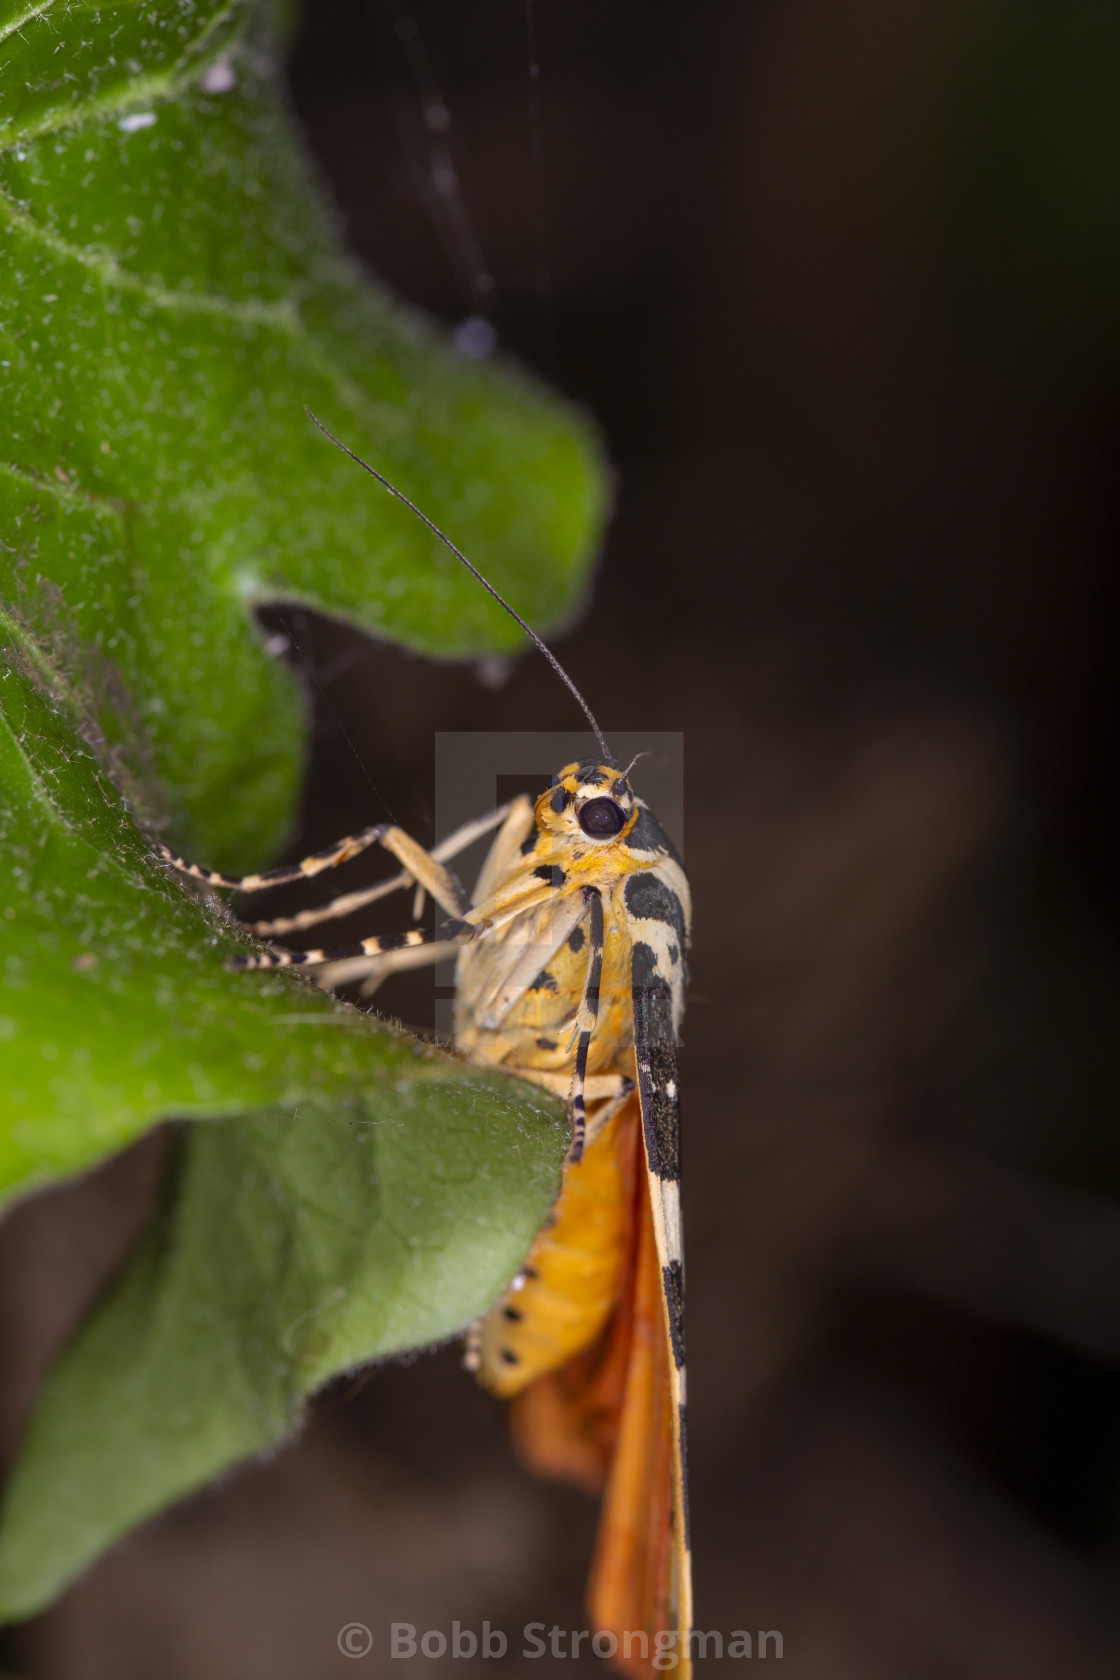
173,293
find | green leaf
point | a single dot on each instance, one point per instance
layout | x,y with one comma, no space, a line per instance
115,1009
173,293
294,1248
382,1200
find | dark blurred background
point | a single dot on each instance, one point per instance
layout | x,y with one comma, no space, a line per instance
839,280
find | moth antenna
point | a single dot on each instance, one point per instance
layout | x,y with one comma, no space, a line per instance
608,756
646,752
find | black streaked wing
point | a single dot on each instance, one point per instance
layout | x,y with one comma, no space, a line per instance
658,922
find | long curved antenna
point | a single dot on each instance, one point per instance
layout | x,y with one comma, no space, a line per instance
645,753
608,756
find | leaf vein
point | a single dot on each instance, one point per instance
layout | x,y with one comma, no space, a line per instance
164,84
282,314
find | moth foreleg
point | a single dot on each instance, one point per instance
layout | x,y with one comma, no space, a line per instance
516,828
314,864
394,839
427,871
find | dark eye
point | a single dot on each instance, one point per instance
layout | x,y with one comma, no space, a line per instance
600,818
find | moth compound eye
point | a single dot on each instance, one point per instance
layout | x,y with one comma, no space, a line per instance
600,819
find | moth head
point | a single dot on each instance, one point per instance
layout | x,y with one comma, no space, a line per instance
587,800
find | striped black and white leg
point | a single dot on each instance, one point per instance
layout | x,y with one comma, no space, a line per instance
347,903
344,905
452,932
372,972
329,858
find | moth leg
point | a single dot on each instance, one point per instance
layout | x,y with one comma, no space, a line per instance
329,858
598,1087
599,1116
586,1017
516,828
344,905
460,838
472,1345
428,872
349,902
605,1094
453,932
373,971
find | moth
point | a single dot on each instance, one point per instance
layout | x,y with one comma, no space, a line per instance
570,973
